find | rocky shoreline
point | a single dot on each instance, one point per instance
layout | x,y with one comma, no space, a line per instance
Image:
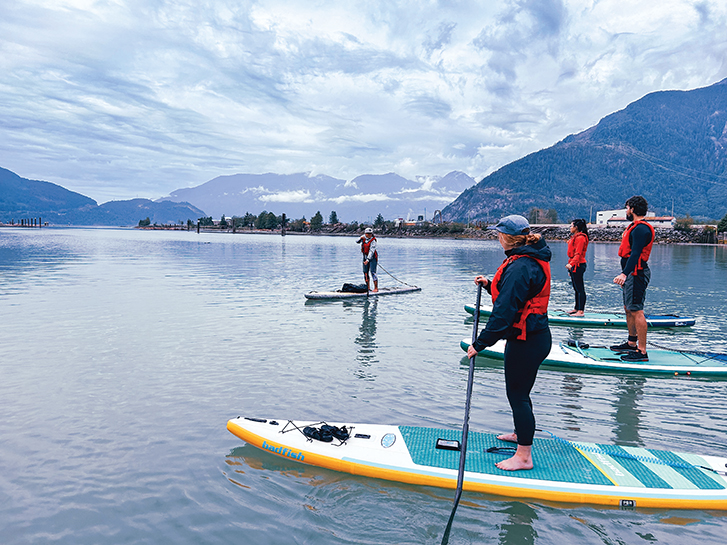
696,235
699,235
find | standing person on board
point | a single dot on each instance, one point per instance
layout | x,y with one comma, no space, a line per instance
635,248
520,292
577,246
370,257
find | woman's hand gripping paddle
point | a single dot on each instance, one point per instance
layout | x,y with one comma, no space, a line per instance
466,425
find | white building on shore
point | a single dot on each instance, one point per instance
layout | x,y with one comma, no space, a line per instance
617,218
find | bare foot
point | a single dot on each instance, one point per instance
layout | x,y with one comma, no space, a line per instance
376,290
522,459
579,313
515,463
509,437
571,312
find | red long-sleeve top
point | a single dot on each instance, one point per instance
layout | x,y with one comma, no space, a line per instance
577,246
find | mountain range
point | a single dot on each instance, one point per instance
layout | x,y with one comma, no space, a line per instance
302,195
669,146
21,198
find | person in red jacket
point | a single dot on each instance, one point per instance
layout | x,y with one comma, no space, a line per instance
370,257
520,293
634,251
577,246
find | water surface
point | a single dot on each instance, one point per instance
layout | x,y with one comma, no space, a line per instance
123,353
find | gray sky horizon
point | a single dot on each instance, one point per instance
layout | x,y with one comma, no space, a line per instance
118,99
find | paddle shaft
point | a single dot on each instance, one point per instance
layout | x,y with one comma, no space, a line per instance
466,424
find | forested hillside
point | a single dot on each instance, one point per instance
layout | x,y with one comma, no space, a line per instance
669,146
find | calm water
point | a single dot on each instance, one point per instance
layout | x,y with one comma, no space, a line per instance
123,354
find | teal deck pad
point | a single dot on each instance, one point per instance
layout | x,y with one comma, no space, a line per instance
634,466
554,460
693,474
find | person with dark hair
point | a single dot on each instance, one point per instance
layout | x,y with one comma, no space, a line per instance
635,249
577,246
520,292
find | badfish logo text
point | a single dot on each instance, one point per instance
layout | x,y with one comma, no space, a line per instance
283,451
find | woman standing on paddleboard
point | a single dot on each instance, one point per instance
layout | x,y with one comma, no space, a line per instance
577,246
520,293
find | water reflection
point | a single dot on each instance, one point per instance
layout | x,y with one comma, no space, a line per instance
571,388
366,340
519,526
629,392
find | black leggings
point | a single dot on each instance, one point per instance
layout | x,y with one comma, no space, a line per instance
522,360
576,277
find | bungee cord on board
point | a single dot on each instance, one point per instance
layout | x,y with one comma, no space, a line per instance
695,356
394,277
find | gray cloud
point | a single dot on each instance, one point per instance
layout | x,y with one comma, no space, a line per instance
142,97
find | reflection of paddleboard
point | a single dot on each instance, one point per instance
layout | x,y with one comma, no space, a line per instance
601,358
348,295
564,472
603,319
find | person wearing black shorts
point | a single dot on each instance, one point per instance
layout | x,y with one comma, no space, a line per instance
635,249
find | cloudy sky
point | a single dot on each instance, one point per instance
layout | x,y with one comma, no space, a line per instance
123,98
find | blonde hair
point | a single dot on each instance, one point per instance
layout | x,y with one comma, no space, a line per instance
520,240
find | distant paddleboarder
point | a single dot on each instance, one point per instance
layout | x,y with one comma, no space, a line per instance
370,257
520,293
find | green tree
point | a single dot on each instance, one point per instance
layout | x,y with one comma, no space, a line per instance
145,223
379,221
684,224
271,221
534,216
333,218
206,222
316,222
722,225
261,220
248,220
223,222
297,225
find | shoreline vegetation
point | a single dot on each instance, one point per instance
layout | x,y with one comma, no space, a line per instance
703,234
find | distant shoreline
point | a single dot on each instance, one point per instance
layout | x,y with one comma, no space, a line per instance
695,235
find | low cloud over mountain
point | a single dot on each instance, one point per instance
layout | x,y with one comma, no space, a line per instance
302,195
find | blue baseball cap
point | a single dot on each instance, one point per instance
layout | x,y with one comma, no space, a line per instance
512,225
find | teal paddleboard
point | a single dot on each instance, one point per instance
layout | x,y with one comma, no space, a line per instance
603,319
600,358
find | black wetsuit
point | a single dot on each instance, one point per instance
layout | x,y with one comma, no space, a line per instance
522,280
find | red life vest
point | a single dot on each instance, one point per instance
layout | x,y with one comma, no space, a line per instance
624,250
366,246
572,247
536,305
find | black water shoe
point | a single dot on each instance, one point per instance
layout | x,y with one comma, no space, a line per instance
318,434
624,347
636,355
342,434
